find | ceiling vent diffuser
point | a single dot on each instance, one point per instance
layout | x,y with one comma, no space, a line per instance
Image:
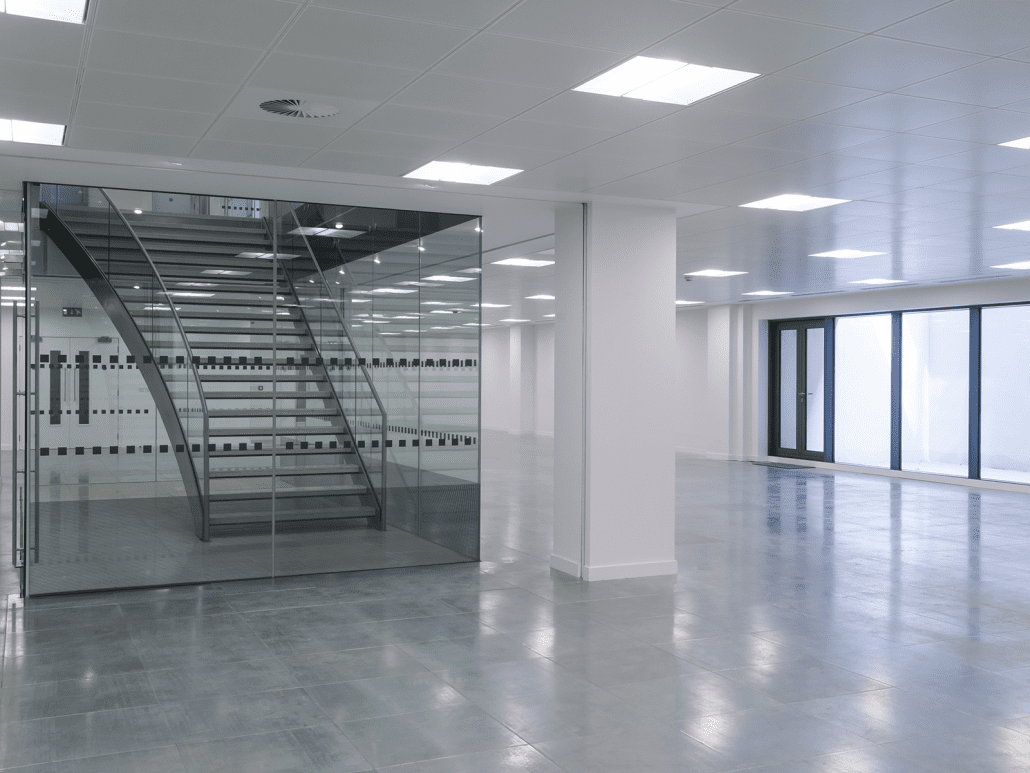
299,108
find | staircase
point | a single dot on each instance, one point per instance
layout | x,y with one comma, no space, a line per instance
250,372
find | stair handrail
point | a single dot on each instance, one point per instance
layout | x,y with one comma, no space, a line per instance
360,364
190,362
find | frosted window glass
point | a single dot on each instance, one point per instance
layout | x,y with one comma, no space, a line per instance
788,389
935,392
1004,407
814,355
862,391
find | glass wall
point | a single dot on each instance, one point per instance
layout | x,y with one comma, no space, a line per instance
862,392
935,392
223,388
1005,410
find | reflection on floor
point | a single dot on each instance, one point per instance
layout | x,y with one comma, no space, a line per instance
821,622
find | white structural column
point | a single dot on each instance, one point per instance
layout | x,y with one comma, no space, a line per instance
615,330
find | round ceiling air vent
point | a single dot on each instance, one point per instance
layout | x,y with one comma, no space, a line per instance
299,108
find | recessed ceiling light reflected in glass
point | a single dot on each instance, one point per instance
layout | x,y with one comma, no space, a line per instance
457,172
528,262
1022,144
493,305
716,272
539,297
1022,266
846,254
31,132
445,278
548,315
471,271
73,11
515,320
768,292
664,80
795,202
878,282
689,303
338,232
225,272
440,303
1023,225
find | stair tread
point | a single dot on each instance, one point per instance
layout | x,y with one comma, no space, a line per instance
286,472
279,395
234,413
282,452
252,432
308,514
257,377
292,493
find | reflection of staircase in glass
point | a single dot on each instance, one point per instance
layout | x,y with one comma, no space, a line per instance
223,325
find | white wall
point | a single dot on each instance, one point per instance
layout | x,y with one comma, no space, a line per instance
518,379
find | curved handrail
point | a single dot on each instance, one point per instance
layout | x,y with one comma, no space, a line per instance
100,285
360,364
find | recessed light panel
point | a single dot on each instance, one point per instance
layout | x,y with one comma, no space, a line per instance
795,202
1023,144
768,292
846,254
664,80
878,282
539,297
1023,225
73,11
716,272
445,278
529,262
689,303
456,172
1023,266
493,305
31,132
514,320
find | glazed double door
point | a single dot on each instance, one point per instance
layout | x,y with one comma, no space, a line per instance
799,409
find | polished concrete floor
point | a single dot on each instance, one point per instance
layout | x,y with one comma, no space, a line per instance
820,623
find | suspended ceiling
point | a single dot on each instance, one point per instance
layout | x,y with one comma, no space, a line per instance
897,105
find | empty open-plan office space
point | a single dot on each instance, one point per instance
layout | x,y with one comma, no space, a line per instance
494,386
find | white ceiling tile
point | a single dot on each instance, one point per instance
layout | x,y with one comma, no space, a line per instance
129,142
33,91
272,132
864,16
291,73
851,189
716,126
338,161
500,155
252,23
988,127
907,148
652,149
993,83
813,138
613,25
742,41
880,64
786,97
141,119
575,173
119,88
39,40
573,108
533,134
358,37
993,28
914,175
404,146
662,183
896,113
529,62
441,124
249,153
470,95
986,159
117,51
473,14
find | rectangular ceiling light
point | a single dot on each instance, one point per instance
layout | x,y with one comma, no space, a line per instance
457,172
493,305
539,297
689,303
515,320
795,202
1023,144
338,233
846,254
73,11
664,80
445,278
878,282
1023,225
31,131
529,262
768,292
1022,266
716,272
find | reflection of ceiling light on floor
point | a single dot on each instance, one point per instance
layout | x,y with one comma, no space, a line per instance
768,292
527,262
716,272
878,282
539,297
846,254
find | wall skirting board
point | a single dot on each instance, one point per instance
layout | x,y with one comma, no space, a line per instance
565,565
614,572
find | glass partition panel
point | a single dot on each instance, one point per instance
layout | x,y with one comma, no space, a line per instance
935,392
862,390
815,384
789,389
1005,412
